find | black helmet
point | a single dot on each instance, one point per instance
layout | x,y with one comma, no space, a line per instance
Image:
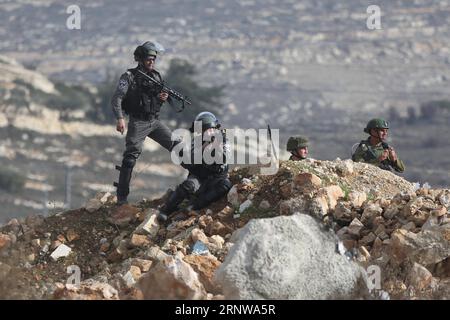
208,120
148,49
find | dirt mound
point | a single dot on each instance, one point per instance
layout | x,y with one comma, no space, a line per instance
104,251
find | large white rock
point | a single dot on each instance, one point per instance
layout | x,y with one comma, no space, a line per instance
288,257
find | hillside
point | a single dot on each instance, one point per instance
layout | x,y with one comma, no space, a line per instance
48,138
365,216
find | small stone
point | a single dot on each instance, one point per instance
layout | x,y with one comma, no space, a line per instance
333,194
307,180
357,198
36,243
5,269
104,197
197,234
217,228
71,235
370,212
245,205
142,264
319,206
61,252
233,196
155,254
391,211
205,267
286,191
342,212
115,256
345,168
376,248
138,240
93,205
150,225
104,247
129,279
61,238
420,277
368,240
31,258
123,215
355,227
217,240
363,250
136,272
264,205
341,232
203,221
410,226
439,212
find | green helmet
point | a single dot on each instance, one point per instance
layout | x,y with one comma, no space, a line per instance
208,120
149,48
296,142
376,123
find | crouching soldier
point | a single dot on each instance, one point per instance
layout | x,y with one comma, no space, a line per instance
298,147
375,150
206,183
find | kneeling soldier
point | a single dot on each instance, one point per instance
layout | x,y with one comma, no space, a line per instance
206,183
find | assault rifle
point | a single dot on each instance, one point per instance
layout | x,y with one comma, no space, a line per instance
172,93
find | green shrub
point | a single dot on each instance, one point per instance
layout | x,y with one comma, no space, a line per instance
11,180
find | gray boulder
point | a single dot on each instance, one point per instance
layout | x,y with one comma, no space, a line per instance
287,257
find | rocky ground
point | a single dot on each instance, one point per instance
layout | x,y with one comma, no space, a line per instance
355,213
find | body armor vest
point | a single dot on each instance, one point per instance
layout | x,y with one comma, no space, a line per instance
142,95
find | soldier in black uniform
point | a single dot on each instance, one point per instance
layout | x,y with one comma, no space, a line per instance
206,183
142,101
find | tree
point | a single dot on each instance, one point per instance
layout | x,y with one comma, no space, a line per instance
181,77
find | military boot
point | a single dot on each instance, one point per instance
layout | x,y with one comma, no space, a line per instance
171,205
123,187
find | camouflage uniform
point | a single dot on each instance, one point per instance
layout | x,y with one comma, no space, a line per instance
293,144
365,152
370,154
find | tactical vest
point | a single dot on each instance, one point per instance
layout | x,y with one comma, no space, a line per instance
142,95
369,155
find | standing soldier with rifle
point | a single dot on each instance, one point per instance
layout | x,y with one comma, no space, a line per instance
375,150
140,94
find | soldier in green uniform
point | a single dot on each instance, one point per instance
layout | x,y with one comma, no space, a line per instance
375,150
298,146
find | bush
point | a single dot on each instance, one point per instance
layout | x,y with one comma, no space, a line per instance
11,180
434,109
181,77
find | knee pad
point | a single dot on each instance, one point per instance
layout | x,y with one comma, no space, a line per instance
128,162
224,185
